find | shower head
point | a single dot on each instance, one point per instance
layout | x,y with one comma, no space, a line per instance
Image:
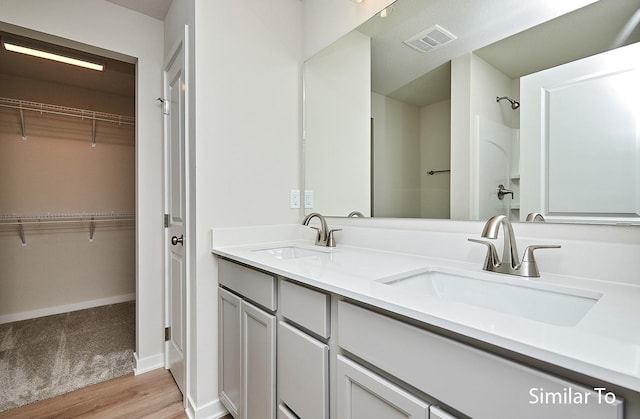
514,103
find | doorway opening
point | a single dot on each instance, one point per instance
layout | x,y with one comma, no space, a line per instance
67,221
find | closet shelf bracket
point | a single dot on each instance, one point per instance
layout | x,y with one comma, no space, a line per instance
24,130
22,236
92,228
93,133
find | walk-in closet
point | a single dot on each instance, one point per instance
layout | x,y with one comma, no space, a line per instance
67,218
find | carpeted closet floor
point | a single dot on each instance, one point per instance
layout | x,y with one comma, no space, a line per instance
48,356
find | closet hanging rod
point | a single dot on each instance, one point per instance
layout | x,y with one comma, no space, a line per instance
23,105
69,221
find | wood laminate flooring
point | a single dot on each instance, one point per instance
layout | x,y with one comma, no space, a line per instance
150,395
153,395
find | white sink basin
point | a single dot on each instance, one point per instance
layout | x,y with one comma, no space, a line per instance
545,303
290,252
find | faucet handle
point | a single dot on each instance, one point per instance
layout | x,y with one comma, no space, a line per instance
529,267
331,240
528,252
491,260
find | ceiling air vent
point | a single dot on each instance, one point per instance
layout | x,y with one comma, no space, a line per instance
431,38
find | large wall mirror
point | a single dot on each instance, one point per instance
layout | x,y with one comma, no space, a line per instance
425,113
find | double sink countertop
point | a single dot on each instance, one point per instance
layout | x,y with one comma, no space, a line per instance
604,343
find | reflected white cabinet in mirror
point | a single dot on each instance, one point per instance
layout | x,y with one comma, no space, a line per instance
427,138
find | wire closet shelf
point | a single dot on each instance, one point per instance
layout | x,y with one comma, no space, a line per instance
84,114
42,108
64,218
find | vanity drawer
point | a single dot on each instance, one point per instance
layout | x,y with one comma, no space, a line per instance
306,307
255,285
475,382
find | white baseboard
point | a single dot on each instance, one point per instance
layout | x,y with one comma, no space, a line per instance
147,364
213,410
48,311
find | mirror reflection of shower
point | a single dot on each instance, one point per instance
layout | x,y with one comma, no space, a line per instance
514,103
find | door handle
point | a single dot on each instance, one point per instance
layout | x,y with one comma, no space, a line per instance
175,240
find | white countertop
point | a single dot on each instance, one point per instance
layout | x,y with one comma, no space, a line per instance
605,344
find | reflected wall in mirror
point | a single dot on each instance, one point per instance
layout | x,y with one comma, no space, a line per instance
419,114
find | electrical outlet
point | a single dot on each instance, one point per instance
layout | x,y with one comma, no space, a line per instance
308,199
294,198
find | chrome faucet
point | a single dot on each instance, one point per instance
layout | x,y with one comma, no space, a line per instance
535,217
510,263
325,236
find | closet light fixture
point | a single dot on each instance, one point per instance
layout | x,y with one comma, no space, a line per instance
41,52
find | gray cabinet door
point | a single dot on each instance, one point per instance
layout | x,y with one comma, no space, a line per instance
365,395
229,374
437,413
284,413
258,341
303,373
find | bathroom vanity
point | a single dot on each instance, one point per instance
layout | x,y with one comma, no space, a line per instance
352,332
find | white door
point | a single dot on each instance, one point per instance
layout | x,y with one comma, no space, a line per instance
580,131
175,213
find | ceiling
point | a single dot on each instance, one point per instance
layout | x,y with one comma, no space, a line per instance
425,78
519,41
155,8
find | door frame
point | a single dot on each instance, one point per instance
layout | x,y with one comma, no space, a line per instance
181,46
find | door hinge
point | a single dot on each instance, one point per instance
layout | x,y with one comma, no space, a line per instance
167,334
167,221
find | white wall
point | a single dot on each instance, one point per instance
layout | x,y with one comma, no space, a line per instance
112,28
408,142
435,154
337,143
460,207
325,21
244,146
396,158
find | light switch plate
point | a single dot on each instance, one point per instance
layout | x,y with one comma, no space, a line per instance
308,198
294,198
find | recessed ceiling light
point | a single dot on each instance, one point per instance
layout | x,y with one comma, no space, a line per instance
386,12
